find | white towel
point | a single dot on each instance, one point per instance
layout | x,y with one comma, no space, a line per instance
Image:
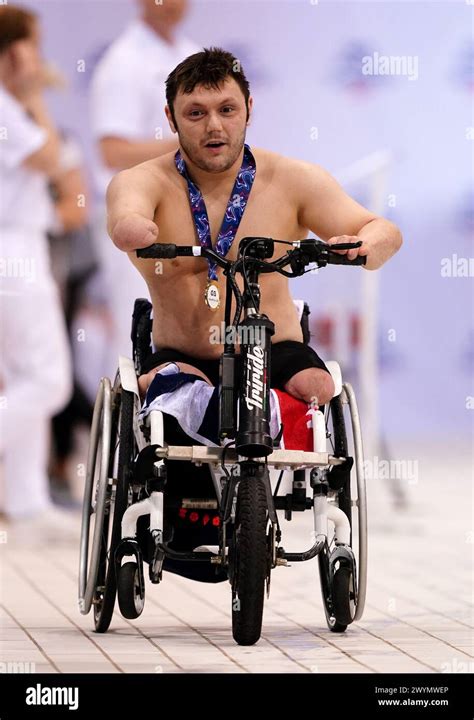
194,403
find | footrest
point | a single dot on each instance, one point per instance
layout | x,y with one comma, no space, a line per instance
285,459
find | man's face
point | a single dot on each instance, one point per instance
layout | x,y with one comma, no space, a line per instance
211,124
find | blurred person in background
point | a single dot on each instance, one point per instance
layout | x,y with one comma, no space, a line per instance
128,122
35,372
75,268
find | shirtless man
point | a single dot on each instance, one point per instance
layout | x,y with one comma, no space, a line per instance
208,102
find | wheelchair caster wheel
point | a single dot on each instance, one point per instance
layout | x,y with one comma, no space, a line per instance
337,571
130,591
342,598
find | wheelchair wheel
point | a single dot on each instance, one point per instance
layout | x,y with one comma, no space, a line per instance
342,569
340,448
105,500
130,597
248,559
106,585
95,494
342,595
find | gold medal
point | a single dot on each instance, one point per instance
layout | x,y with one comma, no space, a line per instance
211,295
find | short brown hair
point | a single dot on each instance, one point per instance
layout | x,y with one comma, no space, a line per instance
15,24
210,68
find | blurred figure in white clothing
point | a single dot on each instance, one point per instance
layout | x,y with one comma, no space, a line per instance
76,269
35,371
129,124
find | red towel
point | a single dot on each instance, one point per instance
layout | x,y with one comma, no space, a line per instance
293,413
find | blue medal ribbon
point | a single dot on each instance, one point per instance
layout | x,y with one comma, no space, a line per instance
233,214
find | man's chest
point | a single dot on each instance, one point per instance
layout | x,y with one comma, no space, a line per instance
267,213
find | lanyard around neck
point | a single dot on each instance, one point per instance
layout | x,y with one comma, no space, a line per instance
234,211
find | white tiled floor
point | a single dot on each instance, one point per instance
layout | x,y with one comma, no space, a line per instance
418,617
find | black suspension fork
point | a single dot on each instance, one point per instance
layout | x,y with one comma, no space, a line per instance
253,437
228,379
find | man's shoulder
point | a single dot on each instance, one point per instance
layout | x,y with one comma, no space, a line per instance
284,166
162,166
159,169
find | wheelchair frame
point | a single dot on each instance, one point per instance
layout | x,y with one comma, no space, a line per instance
98,479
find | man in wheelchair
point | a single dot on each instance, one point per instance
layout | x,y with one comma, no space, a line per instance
216,190
216,199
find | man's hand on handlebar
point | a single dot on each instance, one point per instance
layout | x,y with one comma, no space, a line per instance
303,253
133,232
354,252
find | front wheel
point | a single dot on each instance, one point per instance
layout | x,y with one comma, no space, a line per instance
131,595
249,556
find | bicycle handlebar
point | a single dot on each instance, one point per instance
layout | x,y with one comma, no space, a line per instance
164,250
313,250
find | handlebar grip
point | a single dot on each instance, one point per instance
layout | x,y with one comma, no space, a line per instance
342,260
158,250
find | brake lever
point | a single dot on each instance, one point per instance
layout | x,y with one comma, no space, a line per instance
345,246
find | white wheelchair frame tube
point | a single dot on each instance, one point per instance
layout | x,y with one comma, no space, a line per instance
152,505
322,509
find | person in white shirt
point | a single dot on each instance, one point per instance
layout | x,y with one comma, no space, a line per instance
129,125
35,373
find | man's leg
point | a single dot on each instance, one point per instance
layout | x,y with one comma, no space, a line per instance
312,385
194,408
144,380
297,369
